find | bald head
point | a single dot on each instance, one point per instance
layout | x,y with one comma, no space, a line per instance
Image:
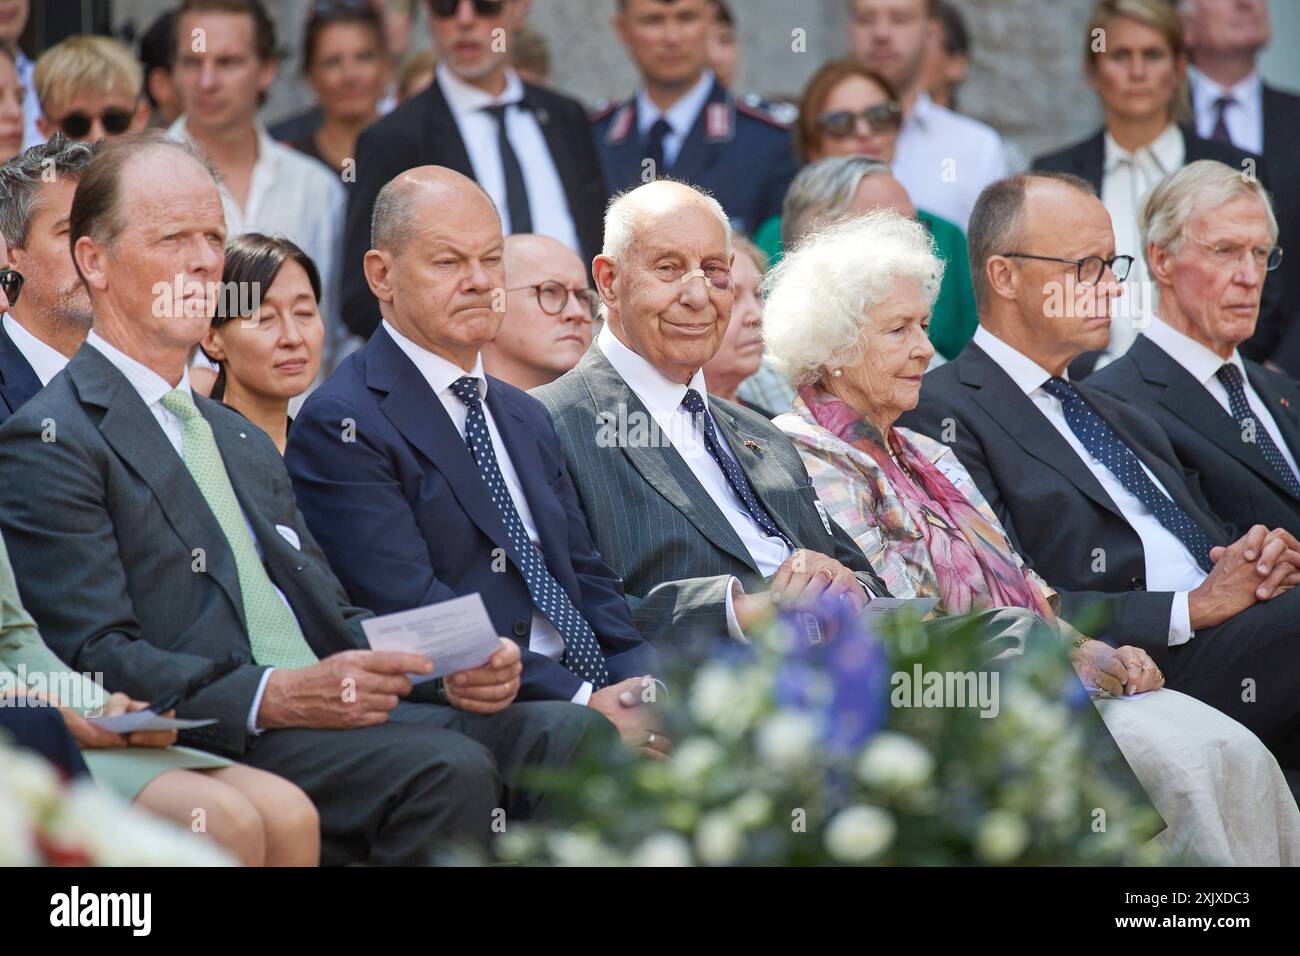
411,197
655,204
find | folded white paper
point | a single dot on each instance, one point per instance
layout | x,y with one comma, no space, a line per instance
880,608
145,719
456,635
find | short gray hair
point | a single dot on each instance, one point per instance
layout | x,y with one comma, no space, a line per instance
621,216
819,294
822,192
1197,187
22,177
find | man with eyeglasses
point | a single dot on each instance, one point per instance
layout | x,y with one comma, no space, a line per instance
90,88
448,482
1089,488
683,123
528,146
1211,239
549,315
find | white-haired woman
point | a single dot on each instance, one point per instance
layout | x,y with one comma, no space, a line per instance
846,321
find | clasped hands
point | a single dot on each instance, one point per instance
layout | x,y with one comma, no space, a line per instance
805,581
1258,566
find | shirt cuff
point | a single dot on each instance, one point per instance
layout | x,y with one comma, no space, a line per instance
584,694
733,625
1180,620
257,702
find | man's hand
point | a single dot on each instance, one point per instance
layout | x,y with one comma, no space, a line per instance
1099,667
636,721
491,687
1256,567
808,579
1143,674
349,689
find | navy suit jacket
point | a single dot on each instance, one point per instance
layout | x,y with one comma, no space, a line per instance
385,480
18,382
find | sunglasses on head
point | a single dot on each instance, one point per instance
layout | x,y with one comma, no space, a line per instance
880,118
444,9
11,281
77,125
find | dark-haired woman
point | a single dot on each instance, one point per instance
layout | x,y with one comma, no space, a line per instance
267,335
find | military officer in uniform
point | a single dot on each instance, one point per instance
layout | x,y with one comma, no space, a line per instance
682,123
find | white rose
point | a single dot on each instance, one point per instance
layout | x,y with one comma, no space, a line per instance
693,759
662,849
751,809
713,691
859,833
895,762
787,740
718,840
1002,837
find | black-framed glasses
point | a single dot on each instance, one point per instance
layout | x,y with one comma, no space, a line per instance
11,281
76,125
553,297
445,9
881,118
1089,269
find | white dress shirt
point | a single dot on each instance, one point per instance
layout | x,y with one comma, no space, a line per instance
1203,365
944,159
151,388
681,116
45,360
297,197
662,398
441,374
1126,180
1244,116
1169,565
547,201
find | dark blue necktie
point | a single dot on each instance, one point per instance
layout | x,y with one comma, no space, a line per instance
1096,435
1230,376
582,653
694,404
655,152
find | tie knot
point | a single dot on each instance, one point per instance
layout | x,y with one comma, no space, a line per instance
181,404
1229,375
1059,388
692,402
466,389
660,128
1223,102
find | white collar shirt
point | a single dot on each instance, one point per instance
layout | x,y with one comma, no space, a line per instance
1244,116
681,116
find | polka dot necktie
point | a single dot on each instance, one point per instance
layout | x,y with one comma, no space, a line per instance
274,635
1096,435
694,404
582,653
1230,376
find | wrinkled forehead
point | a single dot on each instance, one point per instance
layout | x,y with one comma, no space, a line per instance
1243,215
682,226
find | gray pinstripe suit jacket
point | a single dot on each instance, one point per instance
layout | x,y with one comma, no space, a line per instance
654,523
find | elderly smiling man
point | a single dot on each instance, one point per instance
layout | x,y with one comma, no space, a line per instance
1210,239
702,506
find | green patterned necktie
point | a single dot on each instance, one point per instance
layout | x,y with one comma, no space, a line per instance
273,631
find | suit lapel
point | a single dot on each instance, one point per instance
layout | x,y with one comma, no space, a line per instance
559,142
1090,160
1007,405
765,476
655,459
443,135
18,381
135,435
417,413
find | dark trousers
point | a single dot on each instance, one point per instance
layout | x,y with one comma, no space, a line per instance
42,729
431,777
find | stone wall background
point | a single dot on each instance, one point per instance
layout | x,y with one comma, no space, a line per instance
1026,77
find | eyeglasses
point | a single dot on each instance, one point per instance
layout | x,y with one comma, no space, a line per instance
1089,269
77,125
445,9
1228,255
553,297
11,281
881,118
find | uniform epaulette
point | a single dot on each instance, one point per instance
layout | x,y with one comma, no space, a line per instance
602,110
752,107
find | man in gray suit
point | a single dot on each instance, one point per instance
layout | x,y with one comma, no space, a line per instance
702,506
156,541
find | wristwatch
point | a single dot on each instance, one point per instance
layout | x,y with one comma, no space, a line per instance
440,691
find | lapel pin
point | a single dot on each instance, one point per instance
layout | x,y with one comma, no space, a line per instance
1286,402
754,446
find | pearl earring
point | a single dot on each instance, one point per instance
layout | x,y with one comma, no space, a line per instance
836,372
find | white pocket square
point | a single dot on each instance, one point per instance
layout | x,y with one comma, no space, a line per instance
289,535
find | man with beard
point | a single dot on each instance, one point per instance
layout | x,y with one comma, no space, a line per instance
48,319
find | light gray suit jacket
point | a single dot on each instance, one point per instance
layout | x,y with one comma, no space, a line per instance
654,523
122,563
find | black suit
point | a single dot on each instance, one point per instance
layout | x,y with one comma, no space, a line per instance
1067,528
1087,160
18,381
423,132
1241,487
